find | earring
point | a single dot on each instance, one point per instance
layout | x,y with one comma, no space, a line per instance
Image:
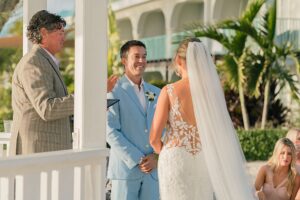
177,71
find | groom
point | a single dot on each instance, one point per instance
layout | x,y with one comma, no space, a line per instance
132,164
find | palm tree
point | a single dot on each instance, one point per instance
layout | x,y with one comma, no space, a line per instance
235,43
269,62
6,6
114,44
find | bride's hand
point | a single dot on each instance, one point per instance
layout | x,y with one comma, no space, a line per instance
148,163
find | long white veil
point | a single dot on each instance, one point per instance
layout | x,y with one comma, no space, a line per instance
223,155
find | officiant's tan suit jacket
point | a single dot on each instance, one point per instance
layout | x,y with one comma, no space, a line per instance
41,105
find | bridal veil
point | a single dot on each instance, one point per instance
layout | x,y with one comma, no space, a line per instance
223,155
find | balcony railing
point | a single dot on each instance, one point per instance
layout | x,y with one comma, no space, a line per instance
286,30
156,47
287,24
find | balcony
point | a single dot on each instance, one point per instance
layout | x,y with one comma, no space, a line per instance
288,31
156,47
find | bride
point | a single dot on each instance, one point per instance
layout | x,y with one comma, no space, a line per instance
200,155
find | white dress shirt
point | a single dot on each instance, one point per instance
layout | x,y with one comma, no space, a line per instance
139,91
53,58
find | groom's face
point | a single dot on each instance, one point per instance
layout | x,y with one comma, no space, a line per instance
135,61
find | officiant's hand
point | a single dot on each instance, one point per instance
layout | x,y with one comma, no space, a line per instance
111,81
148,163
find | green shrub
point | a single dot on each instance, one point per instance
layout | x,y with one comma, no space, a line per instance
259,144
158,83
1,126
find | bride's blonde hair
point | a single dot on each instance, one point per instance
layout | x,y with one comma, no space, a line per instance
182,50
273,162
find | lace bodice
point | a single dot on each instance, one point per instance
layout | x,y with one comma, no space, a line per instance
179,133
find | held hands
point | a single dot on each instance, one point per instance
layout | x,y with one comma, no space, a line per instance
148,163
260,195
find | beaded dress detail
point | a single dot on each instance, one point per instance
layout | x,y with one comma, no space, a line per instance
182,170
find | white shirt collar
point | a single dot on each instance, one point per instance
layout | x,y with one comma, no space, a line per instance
56,61
133,84
139,91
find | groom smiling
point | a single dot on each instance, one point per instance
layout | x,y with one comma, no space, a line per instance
132,164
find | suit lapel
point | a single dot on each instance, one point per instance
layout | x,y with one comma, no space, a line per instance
125,84
54,67
148,103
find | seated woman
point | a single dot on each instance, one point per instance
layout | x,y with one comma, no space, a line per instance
294,135
278,180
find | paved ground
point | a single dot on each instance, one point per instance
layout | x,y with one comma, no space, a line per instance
253,168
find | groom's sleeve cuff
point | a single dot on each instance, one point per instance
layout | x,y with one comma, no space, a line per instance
133,161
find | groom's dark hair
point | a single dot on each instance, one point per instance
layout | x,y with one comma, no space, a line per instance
125,48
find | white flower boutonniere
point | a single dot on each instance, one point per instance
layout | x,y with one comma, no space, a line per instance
150,96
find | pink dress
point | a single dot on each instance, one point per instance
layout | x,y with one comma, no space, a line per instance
275,193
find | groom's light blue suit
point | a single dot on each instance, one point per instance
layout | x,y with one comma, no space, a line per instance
128,127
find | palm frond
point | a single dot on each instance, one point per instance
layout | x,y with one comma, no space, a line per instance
284,75
245,27
254,69
238,43
268,23
230,69
272,21
252,9
213,33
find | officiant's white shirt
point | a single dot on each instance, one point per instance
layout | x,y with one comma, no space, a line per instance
139,90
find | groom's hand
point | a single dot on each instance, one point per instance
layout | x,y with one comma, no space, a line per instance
148,163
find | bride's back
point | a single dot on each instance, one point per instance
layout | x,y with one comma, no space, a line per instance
182,92
181,128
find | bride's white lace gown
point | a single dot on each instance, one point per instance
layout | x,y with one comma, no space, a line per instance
182,170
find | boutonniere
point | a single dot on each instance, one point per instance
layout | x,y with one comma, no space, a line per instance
150,96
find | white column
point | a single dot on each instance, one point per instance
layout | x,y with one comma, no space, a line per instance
90,85
135,18
208,18
90,72
168,10
30,7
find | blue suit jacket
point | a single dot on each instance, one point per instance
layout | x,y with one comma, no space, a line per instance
128,127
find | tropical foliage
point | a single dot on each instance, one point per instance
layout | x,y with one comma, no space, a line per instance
251,69
235,43
259,144
113,61
269,62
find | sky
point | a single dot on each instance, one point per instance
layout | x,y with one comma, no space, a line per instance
65,8
57,6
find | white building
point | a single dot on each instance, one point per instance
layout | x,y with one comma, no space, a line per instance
158,23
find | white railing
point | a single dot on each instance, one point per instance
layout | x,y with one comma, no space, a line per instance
60,175
4,144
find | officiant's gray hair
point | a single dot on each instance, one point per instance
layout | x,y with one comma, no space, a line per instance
43,19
